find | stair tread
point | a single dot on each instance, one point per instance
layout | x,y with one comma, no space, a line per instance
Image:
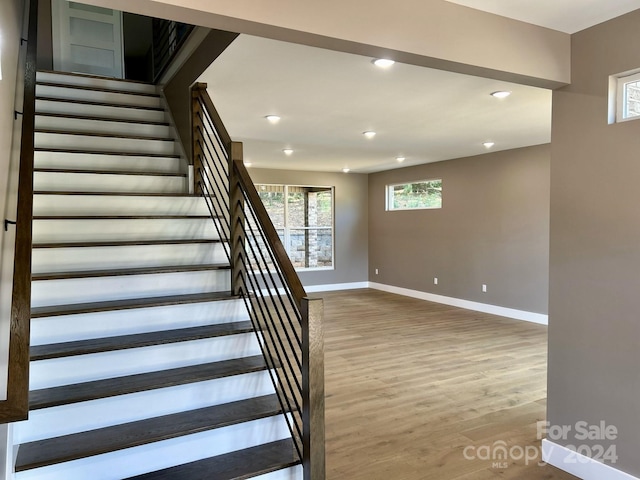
108,172
238,465
118,437
116,194
77,116
130,243
90,75
128,271
117,217
105,152
45,83
124,342
92,307
97,104
103,135
111,387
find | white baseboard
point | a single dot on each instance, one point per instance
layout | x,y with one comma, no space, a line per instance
336,286
458,302
582,467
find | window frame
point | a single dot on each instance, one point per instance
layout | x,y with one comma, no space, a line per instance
287,229
621,100
389,196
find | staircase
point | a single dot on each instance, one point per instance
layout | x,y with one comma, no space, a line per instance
142,363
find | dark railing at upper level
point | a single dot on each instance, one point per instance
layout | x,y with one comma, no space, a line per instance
288,324
168,37
16,406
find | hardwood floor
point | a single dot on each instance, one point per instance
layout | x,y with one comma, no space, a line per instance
412,385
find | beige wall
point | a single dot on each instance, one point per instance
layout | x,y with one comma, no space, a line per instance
594,305
493,229
11,12
432,33
350,221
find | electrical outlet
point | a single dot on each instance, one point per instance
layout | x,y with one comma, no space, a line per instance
484,288
376,271
435,280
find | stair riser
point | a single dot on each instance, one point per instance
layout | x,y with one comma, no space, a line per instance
115,112
79,417
45,231
98,96
95,82
105,144
79,161
67,328
106,182
49,260
44,204
99,289
146,458
92,126
97,366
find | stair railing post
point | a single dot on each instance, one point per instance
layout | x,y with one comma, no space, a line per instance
236,221
313,461
197,128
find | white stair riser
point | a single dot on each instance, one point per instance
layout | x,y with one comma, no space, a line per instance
107,182
291,473
90,143
95,82
146,458
101,126
106,111
104,412
45,231
97,366
52,204
100,289
69,93
49,260
68,328
89,161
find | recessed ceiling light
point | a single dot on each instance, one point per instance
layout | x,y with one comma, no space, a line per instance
488,144
383,62
288,151
346,169
369,134
400,159
500,94
273,118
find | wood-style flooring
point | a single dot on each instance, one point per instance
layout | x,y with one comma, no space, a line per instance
411,384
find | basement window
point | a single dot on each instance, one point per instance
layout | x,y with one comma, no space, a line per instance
624,97
422,194
303,217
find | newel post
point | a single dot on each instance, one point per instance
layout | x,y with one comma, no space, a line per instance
236,220
196,137
313,460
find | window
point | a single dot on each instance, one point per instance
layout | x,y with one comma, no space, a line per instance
409,196
627,97
303,217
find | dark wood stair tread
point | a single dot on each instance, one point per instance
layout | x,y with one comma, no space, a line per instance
103,135
118,217
111,387
129,271
94,103
118,437
46,83
128,243
123,342
108,172
92,307
105,152
238,465
91,75
77,116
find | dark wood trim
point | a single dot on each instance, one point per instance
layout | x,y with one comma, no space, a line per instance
103,119
130,243
103,135
88,75
201,88
36,277
109,172
99,104
237,221
97,89
121,217
16,406
107,152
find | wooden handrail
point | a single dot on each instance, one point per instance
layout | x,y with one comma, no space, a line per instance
201,90
291,277
16,406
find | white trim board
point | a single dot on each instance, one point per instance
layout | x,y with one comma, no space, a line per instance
579,465
336,286
469,305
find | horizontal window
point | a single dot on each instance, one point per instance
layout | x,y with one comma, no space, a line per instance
415,195
627,97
